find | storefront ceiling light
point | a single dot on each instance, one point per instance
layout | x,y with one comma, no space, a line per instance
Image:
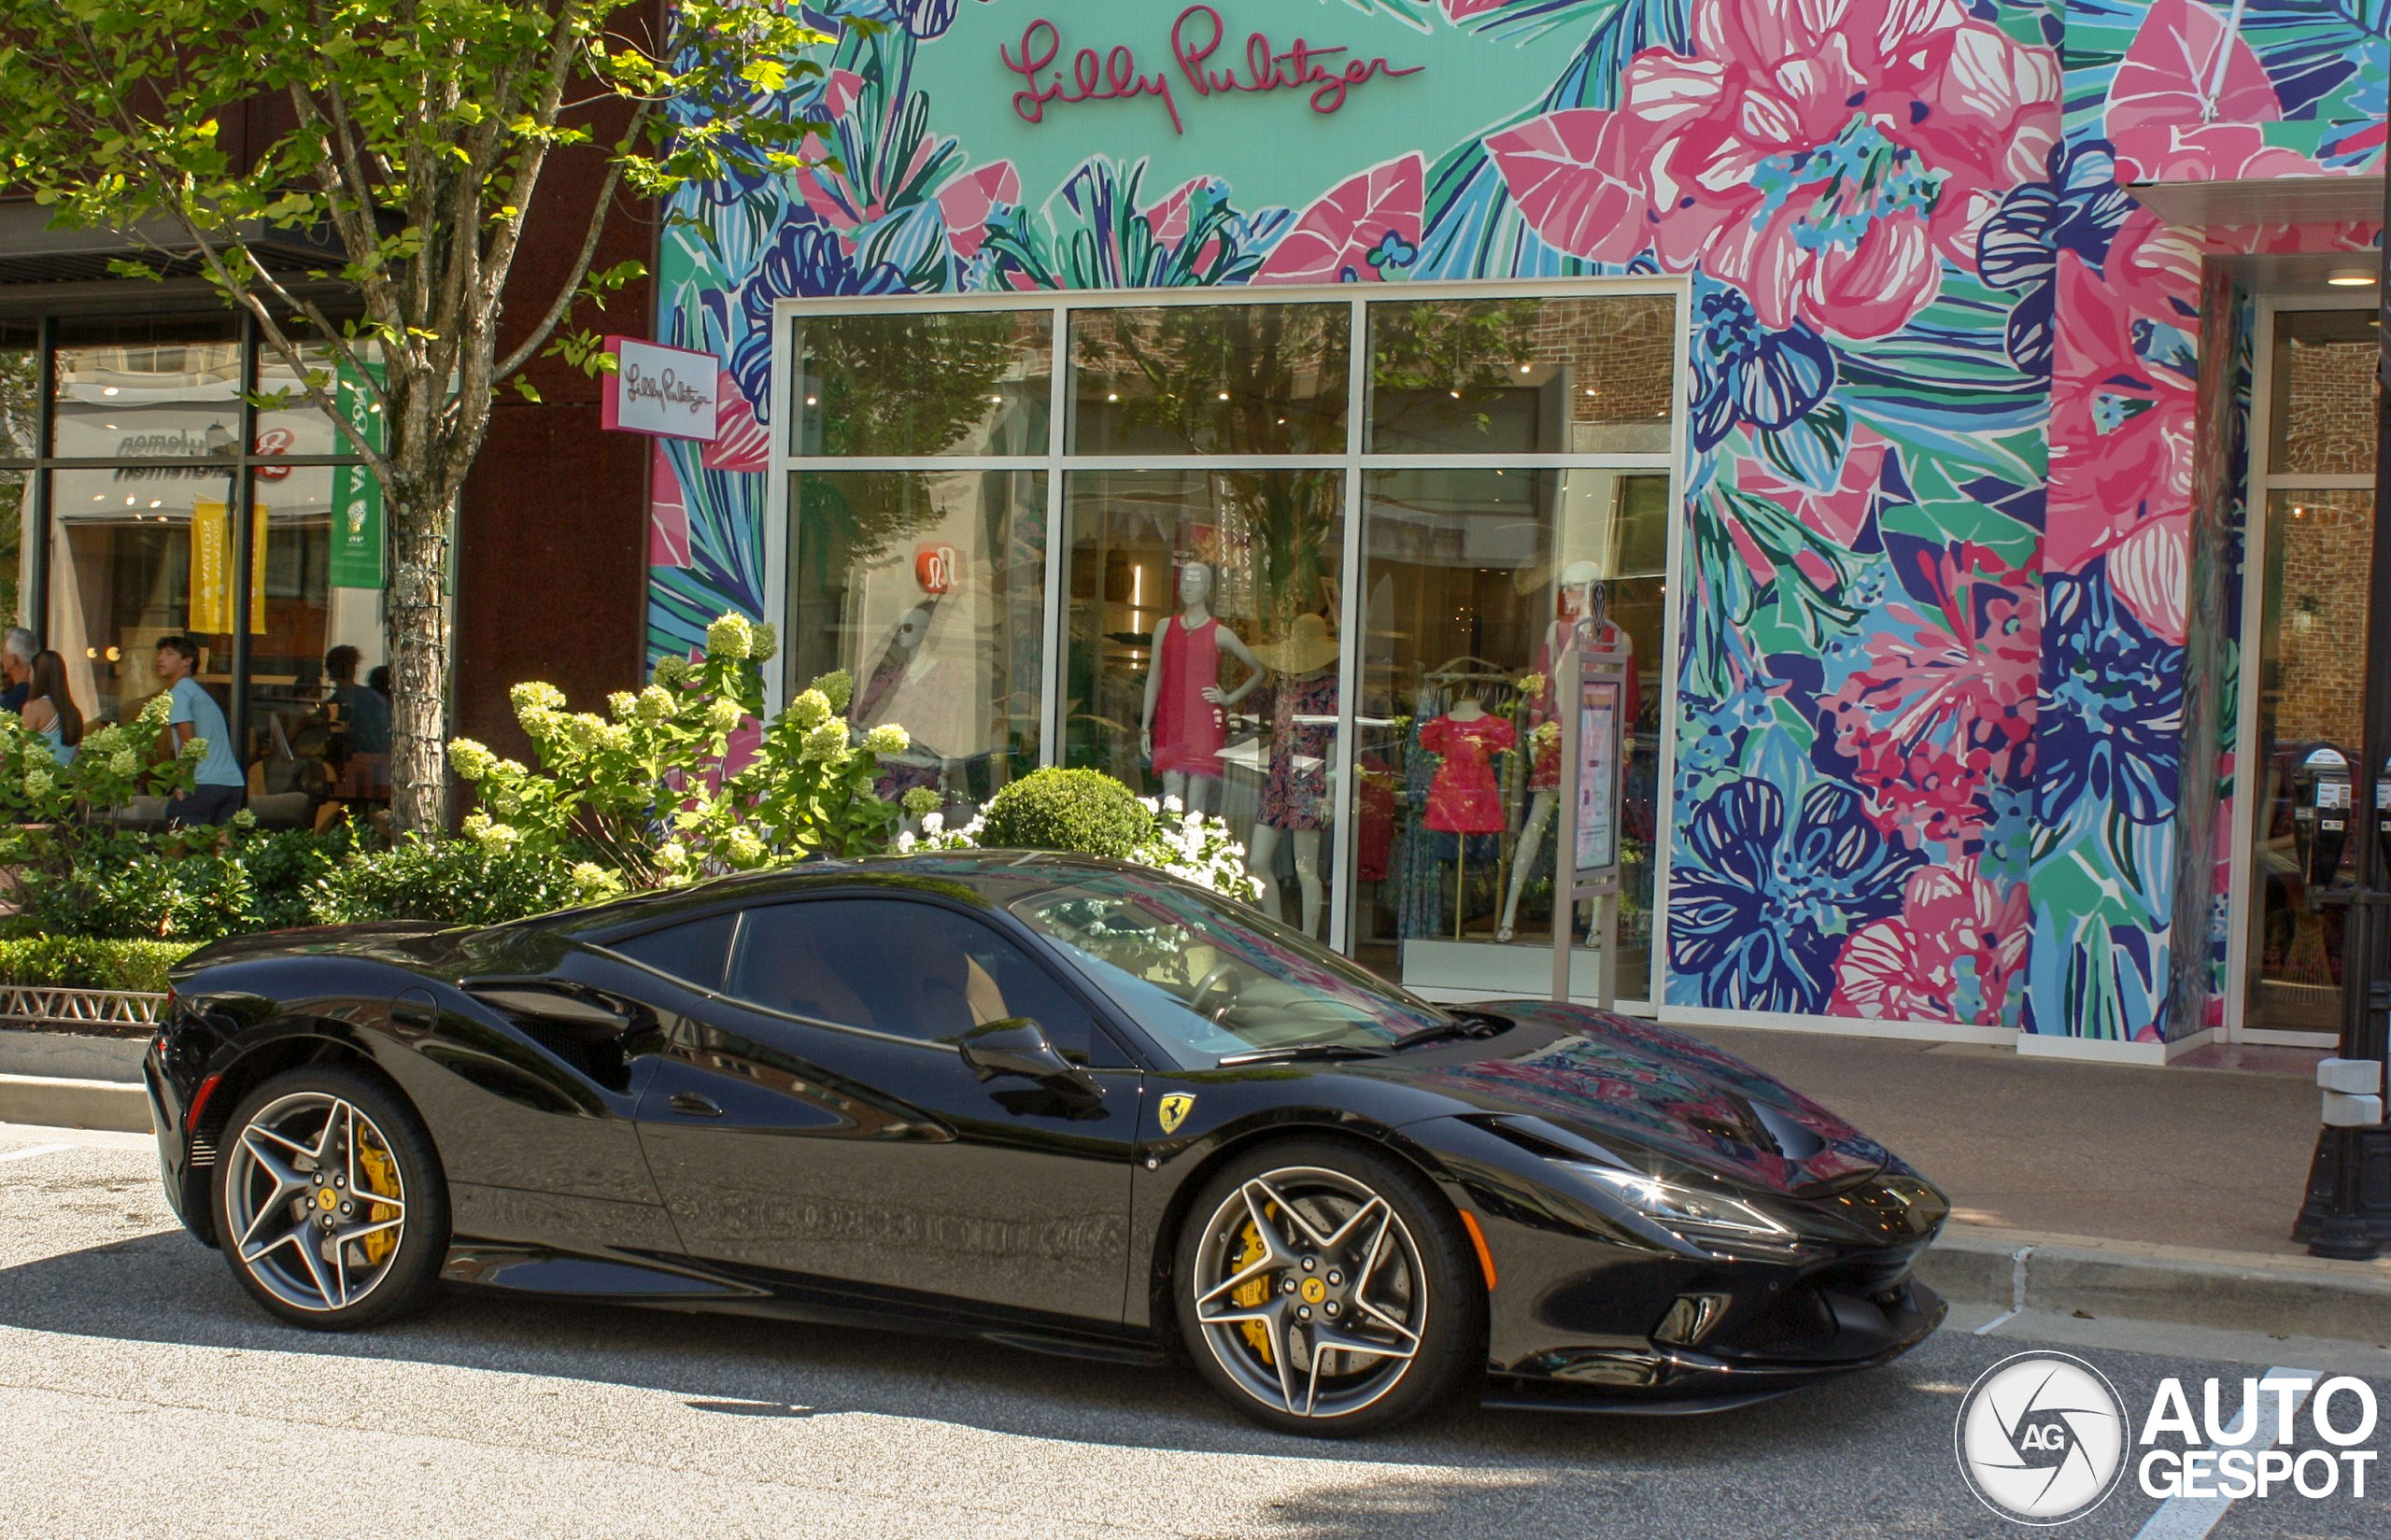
1112,395
108,390
154,502
2350,277
1224,395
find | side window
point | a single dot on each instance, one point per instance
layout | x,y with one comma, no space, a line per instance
694,951
913,970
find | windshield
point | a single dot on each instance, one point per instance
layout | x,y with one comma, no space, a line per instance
1209,978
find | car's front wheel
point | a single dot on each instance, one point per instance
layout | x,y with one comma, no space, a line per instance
329,1203
1326,1289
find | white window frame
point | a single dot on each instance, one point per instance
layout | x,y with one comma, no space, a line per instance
1353,462
2249,781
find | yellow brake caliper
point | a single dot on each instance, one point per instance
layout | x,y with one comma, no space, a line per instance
380,1175
1253,1293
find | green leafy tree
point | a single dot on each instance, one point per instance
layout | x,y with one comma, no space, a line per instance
411,140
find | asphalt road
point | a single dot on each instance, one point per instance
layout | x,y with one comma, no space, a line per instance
142,1394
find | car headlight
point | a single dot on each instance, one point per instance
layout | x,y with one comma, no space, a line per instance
1711,1221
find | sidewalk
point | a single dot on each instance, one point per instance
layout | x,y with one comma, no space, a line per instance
2211,1158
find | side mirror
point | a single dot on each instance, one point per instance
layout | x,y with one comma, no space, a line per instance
1015,1045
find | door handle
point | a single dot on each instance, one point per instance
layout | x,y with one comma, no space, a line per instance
693,1105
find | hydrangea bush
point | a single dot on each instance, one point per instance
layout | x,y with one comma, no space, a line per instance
1194,847
655,794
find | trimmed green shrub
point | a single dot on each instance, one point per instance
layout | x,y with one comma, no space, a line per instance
1084,810
84,962
283,865
459,882
127,887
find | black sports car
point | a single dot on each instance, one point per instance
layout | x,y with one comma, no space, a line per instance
1060,1102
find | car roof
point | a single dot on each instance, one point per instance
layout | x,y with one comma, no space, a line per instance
999,878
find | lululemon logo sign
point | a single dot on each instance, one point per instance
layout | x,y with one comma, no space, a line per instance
2041,1438
934,568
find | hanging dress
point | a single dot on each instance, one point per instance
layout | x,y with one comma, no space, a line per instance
1464,798
1189,729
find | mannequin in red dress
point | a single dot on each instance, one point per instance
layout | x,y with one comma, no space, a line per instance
1186,712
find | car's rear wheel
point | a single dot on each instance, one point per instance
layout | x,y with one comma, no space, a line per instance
329,1200
1326,1289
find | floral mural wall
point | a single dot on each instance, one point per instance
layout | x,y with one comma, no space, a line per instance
1929,740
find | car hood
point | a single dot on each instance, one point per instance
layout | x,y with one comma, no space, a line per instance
1624,1084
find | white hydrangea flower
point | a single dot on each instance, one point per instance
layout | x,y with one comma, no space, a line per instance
731,637
672,856
724,716
472,760
744,848
654,705
127,764
38,782
933,822
763,643
810,710
534,695
825,743
888,737
622,703
838,687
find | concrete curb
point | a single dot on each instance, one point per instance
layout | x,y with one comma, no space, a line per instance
62,1103
2232,1290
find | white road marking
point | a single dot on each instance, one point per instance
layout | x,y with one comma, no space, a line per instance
2181,1518
1996,1320
35,1149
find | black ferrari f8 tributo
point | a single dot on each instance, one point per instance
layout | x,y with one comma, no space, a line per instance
1065,1104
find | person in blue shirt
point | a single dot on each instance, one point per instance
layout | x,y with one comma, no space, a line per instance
221,789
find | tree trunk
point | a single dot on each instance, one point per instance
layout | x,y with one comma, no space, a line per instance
419,641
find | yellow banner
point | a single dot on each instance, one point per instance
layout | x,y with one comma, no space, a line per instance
211,569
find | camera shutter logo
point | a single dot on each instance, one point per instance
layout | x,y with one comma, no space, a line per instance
2040,1438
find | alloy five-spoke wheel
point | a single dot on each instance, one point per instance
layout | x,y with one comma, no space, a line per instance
329,1208
1325,1289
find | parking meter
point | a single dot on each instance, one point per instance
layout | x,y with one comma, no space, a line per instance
2320,815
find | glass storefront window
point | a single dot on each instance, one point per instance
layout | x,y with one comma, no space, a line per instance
1469,576
2308,687
1209,379
929,588
1522,376
1203,481
139,552
2322,421
146,546
316,726
147,391
288,423
908,383
1204,654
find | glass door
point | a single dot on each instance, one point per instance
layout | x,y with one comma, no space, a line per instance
2304,679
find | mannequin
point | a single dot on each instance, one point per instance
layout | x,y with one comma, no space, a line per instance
928,697
1464,798
1186,712
1577,581
1294,797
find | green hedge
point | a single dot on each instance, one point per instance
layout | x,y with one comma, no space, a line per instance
83,962
1076,810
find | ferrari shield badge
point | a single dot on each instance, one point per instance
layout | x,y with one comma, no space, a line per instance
1174,1110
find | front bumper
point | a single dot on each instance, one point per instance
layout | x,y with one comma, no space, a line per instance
1854,1332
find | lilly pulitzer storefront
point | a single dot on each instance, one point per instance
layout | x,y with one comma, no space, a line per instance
1240,398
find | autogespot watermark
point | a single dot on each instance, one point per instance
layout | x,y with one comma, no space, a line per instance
2043,1438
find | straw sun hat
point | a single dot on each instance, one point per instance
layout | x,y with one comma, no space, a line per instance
1308,646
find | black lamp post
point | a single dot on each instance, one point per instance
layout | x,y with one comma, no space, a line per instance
2348,1211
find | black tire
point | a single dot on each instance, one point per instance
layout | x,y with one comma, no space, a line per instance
1415,1277
349,1281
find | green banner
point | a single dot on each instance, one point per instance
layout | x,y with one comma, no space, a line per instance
358,539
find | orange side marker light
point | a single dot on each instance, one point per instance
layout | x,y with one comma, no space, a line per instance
1477,1239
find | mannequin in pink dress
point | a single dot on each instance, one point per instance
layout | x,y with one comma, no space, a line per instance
1186,711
